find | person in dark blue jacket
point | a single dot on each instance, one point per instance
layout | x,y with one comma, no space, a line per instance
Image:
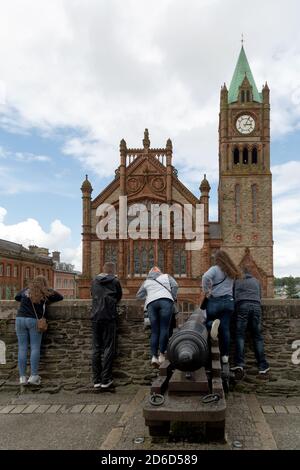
33,306
247,294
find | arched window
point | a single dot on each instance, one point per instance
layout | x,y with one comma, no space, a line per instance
254,156
243,96
237,204
179,260
236,156
254,203
245,156
248,95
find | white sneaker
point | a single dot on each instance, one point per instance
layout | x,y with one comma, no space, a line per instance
225,359
34,380
97,386
108,384
154,361
161,358
23,380
215,329
264,371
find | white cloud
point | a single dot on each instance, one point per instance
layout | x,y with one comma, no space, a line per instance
286,210
112,68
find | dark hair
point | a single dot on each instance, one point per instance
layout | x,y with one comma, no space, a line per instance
223,260
109,267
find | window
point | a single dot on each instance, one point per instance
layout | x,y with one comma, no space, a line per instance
179,260
254,203
8,270
254,156
8,293
243,96
237,204
27,273
111,253
236,156
1,269
245,156
143,257
65,283
248,95
15,271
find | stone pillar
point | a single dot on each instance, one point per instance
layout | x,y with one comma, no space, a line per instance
204,199
84,282
169,149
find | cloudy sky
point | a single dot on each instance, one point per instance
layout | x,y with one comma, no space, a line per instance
76,76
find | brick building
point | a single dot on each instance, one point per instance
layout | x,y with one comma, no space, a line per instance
147,175
64,277
18,265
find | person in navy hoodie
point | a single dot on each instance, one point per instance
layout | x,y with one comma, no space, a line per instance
33,302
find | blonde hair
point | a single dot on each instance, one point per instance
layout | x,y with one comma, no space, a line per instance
38,289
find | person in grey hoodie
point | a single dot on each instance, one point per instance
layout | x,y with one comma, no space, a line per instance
247,294
160,292
106,293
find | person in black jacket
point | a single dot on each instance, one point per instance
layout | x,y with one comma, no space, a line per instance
106,293
247,294
33,302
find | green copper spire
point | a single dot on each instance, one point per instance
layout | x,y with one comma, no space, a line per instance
242,69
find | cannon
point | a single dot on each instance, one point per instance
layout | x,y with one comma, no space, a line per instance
191,384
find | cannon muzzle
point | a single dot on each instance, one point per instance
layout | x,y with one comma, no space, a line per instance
188,348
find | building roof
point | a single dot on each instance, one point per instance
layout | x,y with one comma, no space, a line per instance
17,250
242,69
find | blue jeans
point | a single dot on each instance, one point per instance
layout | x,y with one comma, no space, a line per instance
27,333
160,314
221,308
249,313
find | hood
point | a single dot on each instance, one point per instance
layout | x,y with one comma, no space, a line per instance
104,278
248,276
153,275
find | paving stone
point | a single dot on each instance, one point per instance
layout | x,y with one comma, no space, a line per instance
293,409
42,409
100,409
7,409
279,409
76,408
123,408
18,409
53,409
88,409
268,409
30,409
112,408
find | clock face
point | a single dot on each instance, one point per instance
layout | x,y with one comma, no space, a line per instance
245,124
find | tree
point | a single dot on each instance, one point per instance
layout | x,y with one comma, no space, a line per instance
291,291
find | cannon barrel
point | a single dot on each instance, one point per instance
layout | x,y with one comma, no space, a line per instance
188,347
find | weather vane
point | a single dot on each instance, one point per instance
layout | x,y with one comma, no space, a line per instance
242,40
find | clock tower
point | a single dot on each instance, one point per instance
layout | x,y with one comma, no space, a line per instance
245,180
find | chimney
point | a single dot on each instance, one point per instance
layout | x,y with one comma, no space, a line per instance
56,256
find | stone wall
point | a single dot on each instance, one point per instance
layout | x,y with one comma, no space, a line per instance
66,348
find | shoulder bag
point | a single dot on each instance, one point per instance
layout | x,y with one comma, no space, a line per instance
41,323
204,302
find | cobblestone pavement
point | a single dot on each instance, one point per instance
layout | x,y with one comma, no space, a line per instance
115,421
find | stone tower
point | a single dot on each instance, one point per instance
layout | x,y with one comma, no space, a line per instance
245,180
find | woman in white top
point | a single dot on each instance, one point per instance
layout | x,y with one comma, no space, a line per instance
160,291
